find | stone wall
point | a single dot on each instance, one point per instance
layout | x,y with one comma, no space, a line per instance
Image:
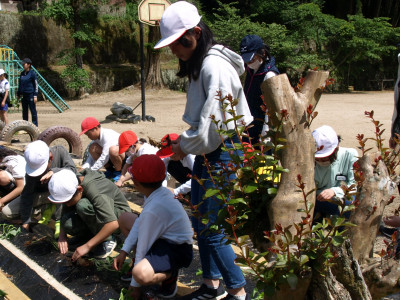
42,40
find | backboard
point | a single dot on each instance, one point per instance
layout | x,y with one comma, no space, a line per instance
150,11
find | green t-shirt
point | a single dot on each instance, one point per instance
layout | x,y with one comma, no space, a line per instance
107,199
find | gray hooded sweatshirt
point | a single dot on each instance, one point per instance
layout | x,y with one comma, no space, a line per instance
219,73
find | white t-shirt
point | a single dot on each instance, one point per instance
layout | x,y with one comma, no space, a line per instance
15,165
145,149
4,86
108,138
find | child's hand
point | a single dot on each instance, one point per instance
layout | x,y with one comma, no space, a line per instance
119,261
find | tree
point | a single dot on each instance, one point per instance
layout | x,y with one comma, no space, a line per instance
79,16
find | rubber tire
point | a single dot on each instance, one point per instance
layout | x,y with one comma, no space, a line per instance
55,132
2,125
19,125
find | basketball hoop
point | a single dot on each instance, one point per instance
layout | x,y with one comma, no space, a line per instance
150,11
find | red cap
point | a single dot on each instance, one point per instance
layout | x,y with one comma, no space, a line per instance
147,168
166,147
125,140
88,123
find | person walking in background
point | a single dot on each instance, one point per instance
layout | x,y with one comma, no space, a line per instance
4,96
211,68
28,90
260,66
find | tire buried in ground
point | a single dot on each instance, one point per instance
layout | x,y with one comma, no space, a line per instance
11,129
2,125
56,132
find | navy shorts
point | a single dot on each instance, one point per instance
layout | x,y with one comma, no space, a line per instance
5,107
164,256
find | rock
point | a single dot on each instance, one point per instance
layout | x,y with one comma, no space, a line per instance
85,95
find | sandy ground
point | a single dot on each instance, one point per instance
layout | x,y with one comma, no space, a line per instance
344,112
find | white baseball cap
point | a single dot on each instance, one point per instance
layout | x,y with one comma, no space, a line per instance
37,156
176,19
2,72
325,136
62,186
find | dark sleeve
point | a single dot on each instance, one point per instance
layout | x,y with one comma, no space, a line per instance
27,197
19,92
35,84
61,160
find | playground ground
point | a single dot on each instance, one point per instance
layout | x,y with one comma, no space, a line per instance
344,112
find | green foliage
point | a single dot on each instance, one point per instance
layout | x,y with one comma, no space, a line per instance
302,37
124,295
2,294
8,231
76,77
245,187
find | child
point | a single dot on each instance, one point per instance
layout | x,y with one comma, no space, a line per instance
42,163
4,95
210,68
92,207
104,147
162,234
132,148
179,167
12,181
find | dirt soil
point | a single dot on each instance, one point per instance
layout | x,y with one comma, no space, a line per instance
344,112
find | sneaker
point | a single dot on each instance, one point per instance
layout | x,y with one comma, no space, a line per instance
104,249
204,292
231,297
169,287
128,275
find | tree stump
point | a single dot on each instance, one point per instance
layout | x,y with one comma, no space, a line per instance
298,156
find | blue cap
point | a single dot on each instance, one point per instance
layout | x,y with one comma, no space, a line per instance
249,45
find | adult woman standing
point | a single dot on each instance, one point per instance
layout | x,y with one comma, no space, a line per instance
28,90
211,68
4,96
260,65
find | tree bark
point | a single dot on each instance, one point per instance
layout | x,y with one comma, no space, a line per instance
153,76
348,272
327,288
373,197
298,156
382,278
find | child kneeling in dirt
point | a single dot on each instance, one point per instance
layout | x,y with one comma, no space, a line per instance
162,235
92,207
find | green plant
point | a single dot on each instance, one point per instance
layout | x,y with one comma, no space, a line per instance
103,264
9,231
293,251
2,294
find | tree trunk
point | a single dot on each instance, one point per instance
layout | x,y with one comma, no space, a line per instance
77,27
153,76
373,197
348,272
382,277
327,288
298,156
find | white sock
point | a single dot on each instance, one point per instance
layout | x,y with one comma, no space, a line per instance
242,297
